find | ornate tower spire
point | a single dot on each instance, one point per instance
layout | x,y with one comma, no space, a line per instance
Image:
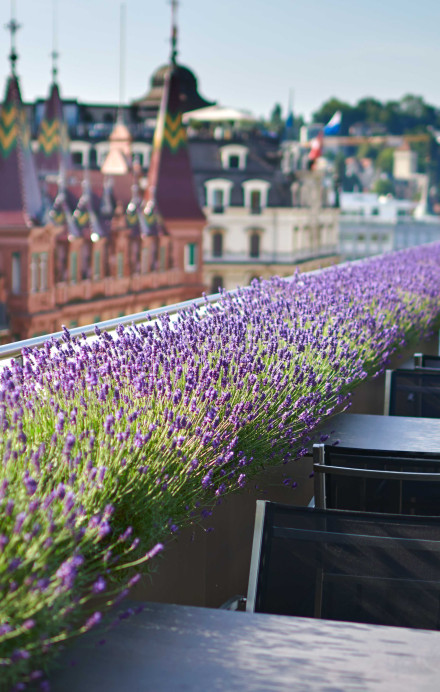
170,186
121,64
54,54
13,26
21,202
174,4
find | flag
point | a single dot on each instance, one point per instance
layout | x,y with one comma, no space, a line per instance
334,124
289,127
316,148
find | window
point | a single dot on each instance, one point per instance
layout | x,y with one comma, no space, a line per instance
144,260
375,211
255,202
234,156
16,273
120,265
96,265
162,258
254,250
256,195
190,257
217,245
77,158
216,284
218,201
43,271
34,272
73,267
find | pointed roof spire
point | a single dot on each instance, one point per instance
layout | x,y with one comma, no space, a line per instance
54,54
84,213
120,118
53,139
170,180
21,201
61,214
174,4
13,26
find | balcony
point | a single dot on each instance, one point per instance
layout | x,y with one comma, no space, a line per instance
127,440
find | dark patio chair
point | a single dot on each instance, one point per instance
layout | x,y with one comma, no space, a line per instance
376,481
412,393
424,361
356,567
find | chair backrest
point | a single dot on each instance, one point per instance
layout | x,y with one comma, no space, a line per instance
376,481
347,566
412,393
424,361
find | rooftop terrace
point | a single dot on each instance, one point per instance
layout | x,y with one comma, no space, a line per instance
113,443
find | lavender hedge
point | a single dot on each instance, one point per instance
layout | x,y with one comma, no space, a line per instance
109,446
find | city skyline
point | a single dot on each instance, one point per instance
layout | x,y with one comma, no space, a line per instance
244,55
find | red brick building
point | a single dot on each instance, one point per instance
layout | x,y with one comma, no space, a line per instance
77,248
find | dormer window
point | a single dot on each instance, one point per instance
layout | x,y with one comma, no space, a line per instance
256,202
218,194
218,201
256,195
234,156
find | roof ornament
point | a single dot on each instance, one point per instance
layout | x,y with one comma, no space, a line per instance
13,26
120,117
174,4
54,54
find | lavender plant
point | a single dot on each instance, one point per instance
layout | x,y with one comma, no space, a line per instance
109,446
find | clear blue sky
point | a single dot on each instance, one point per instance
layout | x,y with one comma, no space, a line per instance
245,53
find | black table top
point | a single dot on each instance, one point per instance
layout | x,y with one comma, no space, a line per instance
384,432
173,648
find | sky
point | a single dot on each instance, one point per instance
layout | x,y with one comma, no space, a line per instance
246,54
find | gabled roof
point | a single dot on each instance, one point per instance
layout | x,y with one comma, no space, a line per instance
170,179
21,201
53,141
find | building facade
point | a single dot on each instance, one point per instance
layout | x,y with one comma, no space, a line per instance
79,246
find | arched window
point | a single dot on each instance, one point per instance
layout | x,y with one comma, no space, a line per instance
254,250
216,284
217,244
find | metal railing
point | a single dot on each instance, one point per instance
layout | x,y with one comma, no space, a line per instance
14,349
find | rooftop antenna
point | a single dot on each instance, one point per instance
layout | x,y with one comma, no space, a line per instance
120,118
13,26
54,55
174,5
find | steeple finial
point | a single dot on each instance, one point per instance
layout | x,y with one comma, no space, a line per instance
54,54
13,26
174,4
120,117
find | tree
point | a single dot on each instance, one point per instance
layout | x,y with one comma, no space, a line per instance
383,186
276,122
385,160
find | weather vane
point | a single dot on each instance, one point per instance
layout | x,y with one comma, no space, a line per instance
13,26
174,4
